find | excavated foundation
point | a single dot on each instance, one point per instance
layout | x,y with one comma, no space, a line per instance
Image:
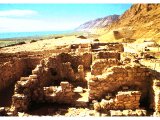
91,79
13,66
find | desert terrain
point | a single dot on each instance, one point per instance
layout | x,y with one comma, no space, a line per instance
101,72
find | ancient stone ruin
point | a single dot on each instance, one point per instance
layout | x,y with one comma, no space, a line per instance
96,76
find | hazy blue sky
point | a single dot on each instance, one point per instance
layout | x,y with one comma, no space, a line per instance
53,17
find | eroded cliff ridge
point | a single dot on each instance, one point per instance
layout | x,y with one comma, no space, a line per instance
100,23
141,22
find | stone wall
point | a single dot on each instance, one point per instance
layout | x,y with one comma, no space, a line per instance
105,55
97,45
13,67
99,65
156,90
60,68
135,77
128,100
54,70
75,46
10,72
123,100
84,59
25,92
49,72
109,46
83,48
42,74
115,47
28,90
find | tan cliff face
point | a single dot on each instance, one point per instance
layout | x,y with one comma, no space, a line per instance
140,22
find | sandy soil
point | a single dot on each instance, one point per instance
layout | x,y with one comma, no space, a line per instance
42,45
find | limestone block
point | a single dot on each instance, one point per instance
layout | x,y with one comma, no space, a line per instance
97,106
35,71
78,89
24,78
59,90
103,104
32,77
64,85
127,112
23,84
133,113
116,113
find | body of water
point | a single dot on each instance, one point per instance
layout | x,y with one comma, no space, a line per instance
30,34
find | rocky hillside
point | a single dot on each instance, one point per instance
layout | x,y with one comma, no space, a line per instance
99,23
140,22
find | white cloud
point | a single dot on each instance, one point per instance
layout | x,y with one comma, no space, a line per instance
16,21
17,13
31,25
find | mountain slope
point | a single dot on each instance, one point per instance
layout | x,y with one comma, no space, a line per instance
99,23
140,22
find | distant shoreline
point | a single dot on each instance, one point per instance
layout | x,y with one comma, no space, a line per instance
6,42
23,35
